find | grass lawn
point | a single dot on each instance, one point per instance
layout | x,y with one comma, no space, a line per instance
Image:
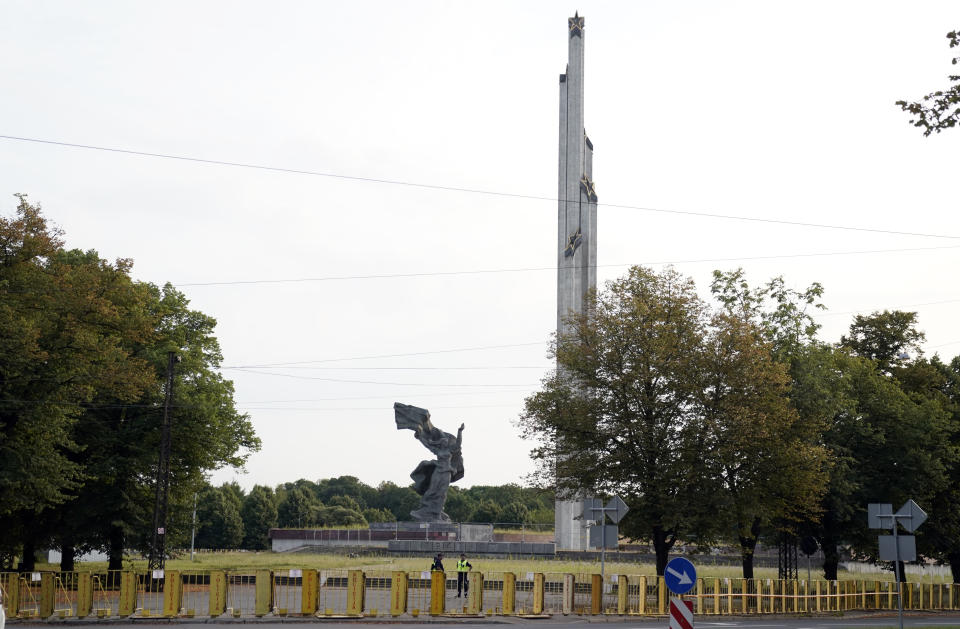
237,561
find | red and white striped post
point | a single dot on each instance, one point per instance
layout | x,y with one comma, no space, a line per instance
681,613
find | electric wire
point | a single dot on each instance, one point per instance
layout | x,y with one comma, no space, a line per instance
376,276
479,191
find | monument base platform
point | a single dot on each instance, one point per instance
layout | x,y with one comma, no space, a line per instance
537,549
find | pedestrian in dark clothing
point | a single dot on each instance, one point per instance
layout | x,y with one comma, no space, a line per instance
463,567
437,562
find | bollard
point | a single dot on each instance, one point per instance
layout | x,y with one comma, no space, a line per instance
218,593
172,593
356,588
128,594
475,596
539,584
309,592
509,604
438,592
48,595
642,608
661,596
84,594
398,593
569,587
263,593
623,588
699,597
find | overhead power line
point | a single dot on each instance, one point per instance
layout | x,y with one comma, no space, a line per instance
331,278
374,356
440,187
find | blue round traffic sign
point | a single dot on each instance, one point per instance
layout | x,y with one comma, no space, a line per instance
680,575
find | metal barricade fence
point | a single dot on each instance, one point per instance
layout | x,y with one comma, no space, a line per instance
377,590
106,594
553,593
287,590
333,593
65,594
194,593
418,593
523,599
149,593
29,603
494,584
241,593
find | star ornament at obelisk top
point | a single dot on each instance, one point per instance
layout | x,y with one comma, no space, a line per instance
575,24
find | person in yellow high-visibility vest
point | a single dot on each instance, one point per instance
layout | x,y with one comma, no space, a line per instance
463,567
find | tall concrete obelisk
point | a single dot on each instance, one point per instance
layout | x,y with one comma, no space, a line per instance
576,236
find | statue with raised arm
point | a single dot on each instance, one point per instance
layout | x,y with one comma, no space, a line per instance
431,478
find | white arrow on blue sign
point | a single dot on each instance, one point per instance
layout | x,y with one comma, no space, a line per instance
680,575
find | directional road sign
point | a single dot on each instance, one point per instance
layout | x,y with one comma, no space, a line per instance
889,547
616,509
911,516
880,515
680,575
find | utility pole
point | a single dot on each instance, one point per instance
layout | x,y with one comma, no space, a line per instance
193,529
158,549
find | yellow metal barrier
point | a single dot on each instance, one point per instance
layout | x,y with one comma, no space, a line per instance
508,602
84,594
398,593
217,605
419,588
356,587
286,592
475,595
263,597
378,590
539,593
172,590
65,594
438,592
10,583
309,592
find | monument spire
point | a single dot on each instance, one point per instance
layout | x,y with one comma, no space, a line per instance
576,234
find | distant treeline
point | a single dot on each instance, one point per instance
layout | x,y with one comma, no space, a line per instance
227,517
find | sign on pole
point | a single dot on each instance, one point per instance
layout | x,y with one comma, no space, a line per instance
911,516
880,516
681,614
680,575
604,536
898,547
616,509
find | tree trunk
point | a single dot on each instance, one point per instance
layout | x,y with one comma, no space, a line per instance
68,555
662,547
116,549
748,545
29,562
903,573
954,559
831,557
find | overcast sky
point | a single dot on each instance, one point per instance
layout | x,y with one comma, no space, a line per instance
768,110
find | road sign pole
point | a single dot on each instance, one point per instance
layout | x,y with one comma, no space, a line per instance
896,573
603,549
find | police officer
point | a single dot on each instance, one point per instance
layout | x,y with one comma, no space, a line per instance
463,567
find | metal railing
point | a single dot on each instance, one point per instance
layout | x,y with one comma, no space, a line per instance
352,593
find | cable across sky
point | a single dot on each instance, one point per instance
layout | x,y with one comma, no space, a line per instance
445,188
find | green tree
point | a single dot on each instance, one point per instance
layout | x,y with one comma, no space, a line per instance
618,415
372,515
296,509
259,515
938,110
753,434
488,511
888,338
399,501
460,506
516,512
327,516
219,524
